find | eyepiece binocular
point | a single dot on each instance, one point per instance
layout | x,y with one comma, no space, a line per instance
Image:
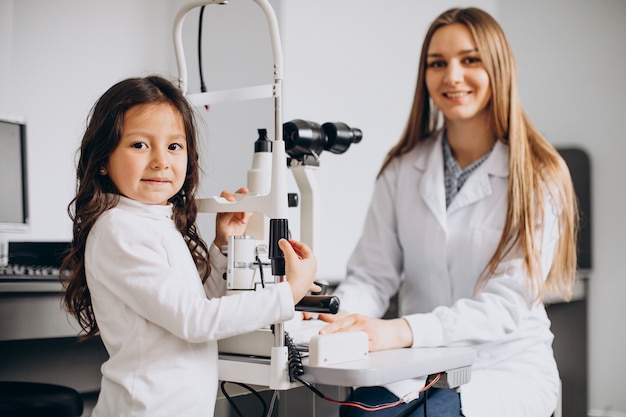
309,138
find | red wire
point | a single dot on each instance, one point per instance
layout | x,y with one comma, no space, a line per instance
382,406
431,383
364,406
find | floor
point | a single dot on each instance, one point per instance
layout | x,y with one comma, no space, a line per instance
299,401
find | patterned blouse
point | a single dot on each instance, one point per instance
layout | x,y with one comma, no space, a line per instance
454,176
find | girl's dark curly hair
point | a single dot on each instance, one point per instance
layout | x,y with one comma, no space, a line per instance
96,193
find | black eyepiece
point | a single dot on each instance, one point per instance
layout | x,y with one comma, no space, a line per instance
304,138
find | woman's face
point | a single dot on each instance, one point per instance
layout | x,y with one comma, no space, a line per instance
456,78
150,162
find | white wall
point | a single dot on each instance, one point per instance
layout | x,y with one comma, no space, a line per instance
352,61
571,58
6,48
62,57
236,52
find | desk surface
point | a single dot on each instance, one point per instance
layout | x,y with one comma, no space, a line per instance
388,366
33,286
34,314
379,368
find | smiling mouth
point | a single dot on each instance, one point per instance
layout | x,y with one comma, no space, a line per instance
456,95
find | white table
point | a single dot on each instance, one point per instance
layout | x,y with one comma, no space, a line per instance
377,369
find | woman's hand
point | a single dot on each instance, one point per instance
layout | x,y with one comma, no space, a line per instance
300,268
382,334
230,224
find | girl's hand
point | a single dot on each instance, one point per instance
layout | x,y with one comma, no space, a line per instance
382,334
230,224
300,267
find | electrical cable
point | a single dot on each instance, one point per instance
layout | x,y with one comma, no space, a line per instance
296,370
202,85
258,261
271,408
294,359
232,403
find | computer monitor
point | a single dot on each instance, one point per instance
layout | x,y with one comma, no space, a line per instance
13,182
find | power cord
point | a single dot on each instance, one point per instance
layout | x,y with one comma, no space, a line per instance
202,85
271,410
260,264
296,370
294,359
252,390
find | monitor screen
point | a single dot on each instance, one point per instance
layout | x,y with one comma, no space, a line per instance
13,184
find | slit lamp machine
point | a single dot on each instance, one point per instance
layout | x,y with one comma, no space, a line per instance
296,147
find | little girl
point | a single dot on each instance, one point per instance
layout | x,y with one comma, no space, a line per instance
140,275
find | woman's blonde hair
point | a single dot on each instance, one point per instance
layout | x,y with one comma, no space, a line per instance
535,166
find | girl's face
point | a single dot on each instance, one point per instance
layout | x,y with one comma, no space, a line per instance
150,162
456,78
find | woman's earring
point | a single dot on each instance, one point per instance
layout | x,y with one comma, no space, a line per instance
103,171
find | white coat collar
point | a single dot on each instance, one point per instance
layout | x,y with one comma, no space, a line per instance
429,160
155,211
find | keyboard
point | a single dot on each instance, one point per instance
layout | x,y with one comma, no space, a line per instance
21,273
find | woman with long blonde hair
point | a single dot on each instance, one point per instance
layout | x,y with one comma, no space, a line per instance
472,222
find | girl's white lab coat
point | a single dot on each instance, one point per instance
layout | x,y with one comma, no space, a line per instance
159,325
434,257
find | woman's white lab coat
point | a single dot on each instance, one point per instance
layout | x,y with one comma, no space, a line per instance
434,257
